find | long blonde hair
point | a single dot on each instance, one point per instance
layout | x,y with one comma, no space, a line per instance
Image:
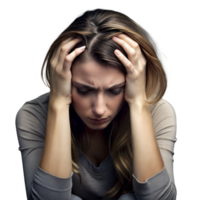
96,28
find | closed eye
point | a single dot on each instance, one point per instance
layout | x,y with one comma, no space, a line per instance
114,92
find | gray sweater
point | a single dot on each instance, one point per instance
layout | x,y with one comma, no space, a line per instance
40,185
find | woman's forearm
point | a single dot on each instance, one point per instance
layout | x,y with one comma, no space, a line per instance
56,158
147,160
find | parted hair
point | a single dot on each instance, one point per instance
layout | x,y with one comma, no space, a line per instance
96,28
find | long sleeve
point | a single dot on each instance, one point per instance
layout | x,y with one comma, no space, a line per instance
31,128
161,186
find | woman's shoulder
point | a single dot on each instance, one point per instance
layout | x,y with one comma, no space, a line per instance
38,102
33,111
162,106
31,118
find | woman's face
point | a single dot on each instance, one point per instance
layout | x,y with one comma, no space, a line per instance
99,101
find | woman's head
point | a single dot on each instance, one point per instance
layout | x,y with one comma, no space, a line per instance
98,67
96,28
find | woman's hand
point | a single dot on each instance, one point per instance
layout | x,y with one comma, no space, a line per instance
60,73
136,69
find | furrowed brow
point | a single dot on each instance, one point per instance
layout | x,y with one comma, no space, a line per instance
89,87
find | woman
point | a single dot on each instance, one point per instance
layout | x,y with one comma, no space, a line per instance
104,66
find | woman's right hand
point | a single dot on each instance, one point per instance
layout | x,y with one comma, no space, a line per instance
60,71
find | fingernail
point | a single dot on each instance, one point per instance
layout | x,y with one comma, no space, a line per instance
117,52
115,38
82,48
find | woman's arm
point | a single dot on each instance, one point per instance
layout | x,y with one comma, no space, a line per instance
56,158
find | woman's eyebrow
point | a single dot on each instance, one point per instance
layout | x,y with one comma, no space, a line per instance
89,87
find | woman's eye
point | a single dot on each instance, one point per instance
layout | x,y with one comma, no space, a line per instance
114,92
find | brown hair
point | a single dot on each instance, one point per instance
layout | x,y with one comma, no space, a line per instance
96,28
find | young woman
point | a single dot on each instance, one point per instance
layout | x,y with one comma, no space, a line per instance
103,130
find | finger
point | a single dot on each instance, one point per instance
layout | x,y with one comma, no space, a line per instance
135,45
65,49
69,58
130,47
131,42
55,56
131,52
126,62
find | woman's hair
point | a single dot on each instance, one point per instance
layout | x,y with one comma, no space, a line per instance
96,28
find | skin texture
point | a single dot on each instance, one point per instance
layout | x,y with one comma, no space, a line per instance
100,103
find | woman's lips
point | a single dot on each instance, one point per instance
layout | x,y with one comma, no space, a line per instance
98,121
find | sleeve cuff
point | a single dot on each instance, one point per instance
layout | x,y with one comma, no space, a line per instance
152,184
52,182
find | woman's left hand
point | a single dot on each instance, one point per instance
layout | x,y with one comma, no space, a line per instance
136,69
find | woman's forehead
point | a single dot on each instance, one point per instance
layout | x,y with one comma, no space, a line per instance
91,67
95,70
